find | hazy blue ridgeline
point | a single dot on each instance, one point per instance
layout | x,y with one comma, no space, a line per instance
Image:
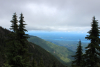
62,36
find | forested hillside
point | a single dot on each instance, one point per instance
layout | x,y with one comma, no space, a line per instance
60,52
12,56
72,45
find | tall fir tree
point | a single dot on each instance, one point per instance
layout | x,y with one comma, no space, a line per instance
14,21
78,57
21,30
22,38
17,49
93,47
13,45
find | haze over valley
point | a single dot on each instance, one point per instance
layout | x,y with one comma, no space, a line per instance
66,39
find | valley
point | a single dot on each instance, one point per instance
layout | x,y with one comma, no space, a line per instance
62,53
67,39
72,45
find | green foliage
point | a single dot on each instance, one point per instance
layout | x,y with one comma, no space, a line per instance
34,63
72,45
39,53
6,65
12,50
93,48
61,53
3,35
41,64
78,57
22,38
21,30
14,21
17,49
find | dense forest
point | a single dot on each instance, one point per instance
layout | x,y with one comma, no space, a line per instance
17,51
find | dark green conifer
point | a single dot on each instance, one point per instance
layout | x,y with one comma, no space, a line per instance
78,56
93,47
14,21
22,38
12,45
17,50
21,30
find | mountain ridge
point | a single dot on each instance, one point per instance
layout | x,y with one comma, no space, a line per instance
63,54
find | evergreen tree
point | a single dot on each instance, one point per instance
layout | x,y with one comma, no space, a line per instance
78,56
93,47
14,21
21,30
22,38
13,58
12,45
17,50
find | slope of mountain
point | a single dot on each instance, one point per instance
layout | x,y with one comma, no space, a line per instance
66,39
61,53
72,45
37,51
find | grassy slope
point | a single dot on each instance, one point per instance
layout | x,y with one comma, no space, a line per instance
61,53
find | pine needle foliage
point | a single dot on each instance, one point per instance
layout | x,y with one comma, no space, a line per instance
93,48
14,22
78,56
17,47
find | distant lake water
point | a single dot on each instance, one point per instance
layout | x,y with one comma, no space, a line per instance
60,36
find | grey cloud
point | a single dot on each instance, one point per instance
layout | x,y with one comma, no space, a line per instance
64,15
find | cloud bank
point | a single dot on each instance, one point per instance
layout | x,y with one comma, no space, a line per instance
51,15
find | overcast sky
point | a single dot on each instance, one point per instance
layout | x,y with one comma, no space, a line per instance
51,15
